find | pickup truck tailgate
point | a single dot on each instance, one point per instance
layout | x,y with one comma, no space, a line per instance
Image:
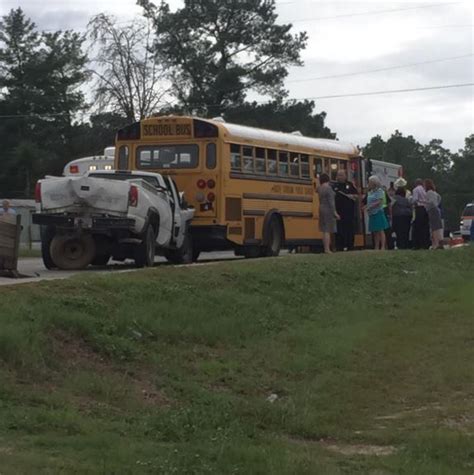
94,193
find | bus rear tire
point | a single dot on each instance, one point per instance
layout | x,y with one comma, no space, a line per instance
275,239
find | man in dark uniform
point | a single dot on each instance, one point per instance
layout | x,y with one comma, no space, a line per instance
346,198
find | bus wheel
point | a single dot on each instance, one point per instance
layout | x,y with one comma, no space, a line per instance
275,239
72,252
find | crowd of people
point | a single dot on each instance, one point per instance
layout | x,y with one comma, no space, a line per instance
392,213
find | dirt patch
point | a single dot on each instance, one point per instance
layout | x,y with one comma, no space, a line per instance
410,412
348,449
74,355
359,449
461,423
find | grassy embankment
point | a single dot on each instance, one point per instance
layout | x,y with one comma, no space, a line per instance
168,370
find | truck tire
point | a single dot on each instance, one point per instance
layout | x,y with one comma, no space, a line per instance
274,240
46,237
144,253
184,255
72,252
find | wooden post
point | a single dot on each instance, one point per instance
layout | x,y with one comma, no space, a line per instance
10,231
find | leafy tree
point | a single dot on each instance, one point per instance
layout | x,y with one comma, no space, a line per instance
462,177
282,116
40,75
92,137
129,81
219,51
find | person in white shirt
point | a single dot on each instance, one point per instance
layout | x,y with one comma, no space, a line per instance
6,208
421,224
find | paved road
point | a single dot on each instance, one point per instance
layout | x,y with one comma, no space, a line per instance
35,270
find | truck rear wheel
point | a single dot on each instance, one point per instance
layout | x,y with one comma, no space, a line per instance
72,252
47,235
144,252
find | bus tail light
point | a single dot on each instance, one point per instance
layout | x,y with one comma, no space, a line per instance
211,184
201,184
211,197
73,169
133,196
38,192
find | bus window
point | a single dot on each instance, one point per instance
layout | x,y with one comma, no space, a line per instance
247,155
167,156
123,158
282,164
260,160
235,159
318,167
271,162
211,158
294,164
304,160
333,167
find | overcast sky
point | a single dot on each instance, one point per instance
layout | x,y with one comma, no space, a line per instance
348,37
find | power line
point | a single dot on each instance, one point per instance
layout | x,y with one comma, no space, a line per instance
393,91
373,12
389,68
334,96
38,116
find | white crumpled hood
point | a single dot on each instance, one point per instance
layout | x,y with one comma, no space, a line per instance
95,193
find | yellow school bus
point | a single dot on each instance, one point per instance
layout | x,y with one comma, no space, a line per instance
253,190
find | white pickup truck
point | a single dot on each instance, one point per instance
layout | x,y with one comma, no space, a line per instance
120,214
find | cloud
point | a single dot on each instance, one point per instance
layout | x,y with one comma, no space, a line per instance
356,41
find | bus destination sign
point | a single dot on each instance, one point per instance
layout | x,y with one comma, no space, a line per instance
167,129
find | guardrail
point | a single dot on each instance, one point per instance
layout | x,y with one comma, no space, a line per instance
10,230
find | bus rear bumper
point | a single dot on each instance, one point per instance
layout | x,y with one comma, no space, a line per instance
211,238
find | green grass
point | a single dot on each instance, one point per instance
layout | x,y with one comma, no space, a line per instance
168,370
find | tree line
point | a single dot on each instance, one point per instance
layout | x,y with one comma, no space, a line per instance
64,94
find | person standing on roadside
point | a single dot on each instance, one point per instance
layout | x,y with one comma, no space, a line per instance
387,207
346,198
7,208
421,224
377,220
432,203
402,212
327,211
391,190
